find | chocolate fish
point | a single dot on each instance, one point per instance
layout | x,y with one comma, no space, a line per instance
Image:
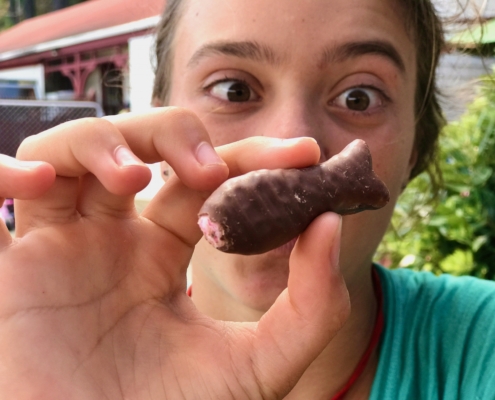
262,210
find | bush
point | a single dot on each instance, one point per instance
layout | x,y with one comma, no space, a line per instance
456,232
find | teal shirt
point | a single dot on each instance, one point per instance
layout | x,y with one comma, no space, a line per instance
439,338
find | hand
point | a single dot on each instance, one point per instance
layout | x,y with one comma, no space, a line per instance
92,295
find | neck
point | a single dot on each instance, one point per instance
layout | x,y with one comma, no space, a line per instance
334,366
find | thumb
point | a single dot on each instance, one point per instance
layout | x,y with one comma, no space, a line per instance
309,313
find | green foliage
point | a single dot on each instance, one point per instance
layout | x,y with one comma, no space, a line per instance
455,233
42,7
5,21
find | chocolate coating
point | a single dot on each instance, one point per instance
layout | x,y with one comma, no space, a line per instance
261,210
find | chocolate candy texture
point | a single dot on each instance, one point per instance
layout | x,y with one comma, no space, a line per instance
262,210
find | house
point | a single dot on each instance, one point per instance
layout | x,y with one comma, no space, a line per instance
97,50
469,55
100,50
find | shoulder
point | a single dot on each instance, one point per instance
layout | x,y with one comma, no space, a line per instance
456,293
439,330
438,302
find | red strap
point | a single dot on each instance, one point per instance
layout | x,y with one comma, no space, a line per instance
375,339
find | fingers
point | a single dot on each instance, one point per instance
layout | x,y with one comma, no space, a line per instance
102,147
269,153
315,306
75,149
176,206
89,145
177,136
24,180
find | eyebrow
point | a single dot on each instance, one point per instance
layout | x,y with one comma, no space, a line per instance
255,51
247,49
351,50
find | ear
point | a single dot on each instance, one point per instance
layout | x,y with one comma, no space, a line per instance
165,170
156,102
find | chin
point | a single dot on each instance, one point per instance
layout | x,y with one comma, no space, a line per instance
260,279
283,251
254,281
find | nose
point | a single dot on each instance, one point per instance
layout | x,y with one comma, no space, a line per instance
296,117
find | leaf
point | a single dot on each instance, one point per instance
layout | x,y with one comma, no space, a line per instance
481,175
457,233
458,263
438,221
478,242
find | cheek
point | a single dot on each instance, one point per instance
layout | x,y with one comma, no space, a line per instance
392,154
218,132
361,235
224,132
220,137
393,168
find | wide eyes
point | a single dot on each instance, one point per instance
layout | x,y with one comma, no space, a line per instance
358,99
233,91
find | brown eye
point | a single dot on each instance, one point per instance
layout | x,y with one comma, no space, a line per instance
233,91
357,100
238,92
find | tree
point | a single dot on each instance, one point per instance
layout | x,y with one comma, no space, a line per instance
13,11
455,233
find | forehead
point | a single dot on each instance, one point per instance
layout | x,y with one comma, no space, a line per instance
294,28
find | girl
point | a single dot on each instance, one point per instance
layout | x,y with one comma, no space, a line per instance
93,298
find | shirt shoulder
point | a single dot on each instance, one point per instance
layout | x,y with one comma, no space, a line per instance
438,338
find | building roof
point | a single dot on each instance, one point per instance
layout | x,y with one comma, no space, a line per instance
79,19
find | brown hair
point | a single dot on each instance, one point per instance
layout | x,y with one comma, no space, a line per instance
426,31
425,28
165,35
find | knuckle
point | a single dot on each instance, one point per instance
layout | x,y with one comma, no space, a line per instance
90,127
94,129
182,118
25,148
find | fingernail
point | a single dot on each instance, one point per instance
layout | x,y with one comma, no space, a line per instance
29,164
293,141
206,155
125,158
19,164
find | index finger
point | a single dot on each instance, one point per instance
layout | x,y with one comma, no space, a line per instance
177,136
91,145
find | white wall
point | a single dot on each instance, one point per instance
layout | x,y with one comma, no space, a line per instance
94,81
141,77
458,78
465,9
34,73
141,73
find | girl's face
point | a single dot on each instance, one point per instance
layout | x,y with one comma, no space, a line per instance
335,70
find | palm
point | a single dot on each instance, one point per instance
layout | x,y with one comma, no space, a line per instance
111,327
93,304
